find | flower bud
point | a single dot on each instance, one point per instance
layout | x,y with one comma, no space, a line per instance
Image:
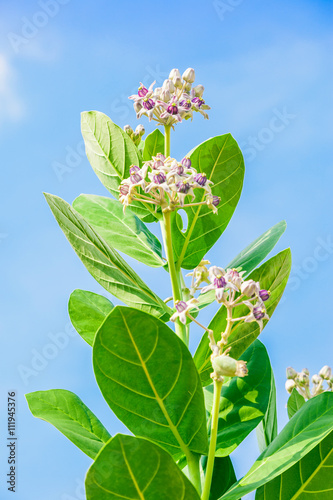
290,385
137,106
136,138
168,85
128,129
249,288
264,295
189,75
225,365
302,378
306,371
199,90
157,92
178,83
325,372
188,87
174,73
291,373
165,95
140,130
316,379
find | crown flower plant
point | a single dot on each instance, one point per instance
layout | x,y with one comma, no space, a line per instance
185,412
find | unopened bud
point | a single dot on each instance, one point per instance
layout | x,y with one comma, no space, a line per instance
316,379
140,130
157,92
174,73
303,378
165,95
306,371
290,385
291,373
168,85
128,129
136,138
178,83
189,75
229,367
137,106
188,87
326,372
198,90
249,288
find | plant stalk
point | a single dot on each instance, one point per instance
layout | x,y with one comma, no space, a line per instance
193,465
213,439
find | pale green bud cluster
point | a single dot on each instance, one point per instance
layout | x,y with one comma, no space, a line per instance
321,382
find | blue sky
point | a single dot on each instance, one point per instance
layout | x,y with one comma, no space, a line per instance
257,60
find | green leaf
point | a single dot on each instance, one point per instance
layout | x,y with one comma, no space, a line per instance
222,161
135,469
309,479
87,311
103,262
223,476
154,144
267,430
243,401
273,276
123,231
295,402
148,378
254,253
111,152
308,427
71,416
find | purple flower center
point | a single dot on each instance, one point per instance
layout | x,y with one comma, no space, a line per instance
181,306
142,91
258,312
148,104
172,109
216,201
186,162
135,178
157,164
183,187
201,179
134,168
264,295
198,101
124,189
219,282
186,103
159,178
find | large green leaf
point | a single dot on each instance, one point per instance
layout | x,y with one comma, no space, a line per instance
309,479
308,427
295,402
103,262
123,231
148,378
223,476
254,253
267,430
111,152
87,311
222,161
154,144
273,276
244,401
136,469
71,416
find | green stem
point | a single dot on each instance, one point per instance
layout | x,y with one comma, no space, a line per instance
213,438
176,290
167,129
193,465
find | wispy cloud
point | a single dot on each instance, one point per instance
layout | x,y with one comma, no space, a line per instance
11,105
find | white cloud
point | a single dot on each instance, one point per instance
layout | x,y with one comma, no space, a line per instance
11,106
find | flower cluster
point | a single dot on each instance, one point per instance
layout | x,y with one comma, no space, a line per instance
301,381
174,101
167,182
